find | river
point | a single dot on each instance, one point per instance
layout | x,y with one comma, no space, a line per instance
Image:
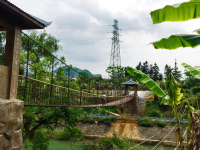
66,145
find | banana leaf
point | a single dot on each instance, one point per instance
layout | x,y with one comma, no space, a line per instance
178,12
192,70
176,41
151,84
197,31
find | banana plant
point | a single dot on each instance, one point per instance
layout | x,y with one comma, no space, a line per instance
171,96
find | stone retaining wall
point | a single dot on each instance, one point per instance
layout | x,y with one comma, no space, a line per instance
129,130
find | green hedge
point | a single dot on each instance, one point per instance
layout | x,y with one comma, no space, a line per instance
146,122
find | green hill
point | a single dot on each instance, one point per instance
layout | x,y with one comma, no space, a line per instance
73,73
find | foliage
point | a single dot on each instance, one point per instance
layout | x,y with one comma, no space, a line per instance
75,134
115,72
154,112
156,108
146,122
146,80
192,70
151,70
173,91
35,118
2,47
160,124
178,12
106,144
195,89
189,81
176,41
92,120
39,141
55,134
177,74
167,71
114,143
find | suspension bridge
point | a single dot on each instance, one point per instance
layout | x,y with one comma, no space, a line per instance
45,88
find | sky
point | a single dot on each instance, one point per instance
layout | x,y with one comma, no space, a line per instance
84,30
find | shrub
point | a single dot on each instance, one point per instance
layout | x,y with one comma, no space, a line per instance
106,144
87,119
160,124
146,122
154,112
39,141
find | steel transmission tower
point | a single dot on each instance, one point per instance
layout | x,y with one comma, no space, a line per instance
115,58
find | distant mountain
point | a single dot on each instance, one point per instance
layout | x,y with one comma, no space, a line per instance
73,74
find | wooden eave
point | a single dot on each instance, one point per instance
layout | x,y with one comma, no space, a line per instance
10,15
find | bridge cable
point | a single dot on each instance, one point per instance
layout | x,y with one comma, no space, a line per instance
165,137
50,53
156,132
169,132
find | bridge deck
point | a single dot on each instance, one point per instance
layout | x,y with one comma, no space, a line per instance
116,102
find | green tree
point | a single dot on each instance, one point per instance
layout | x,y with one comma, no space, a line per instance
160,76
115,72
138,67
145,67
177,74
35,118
155,72
167,71
70,67
49,42
151,71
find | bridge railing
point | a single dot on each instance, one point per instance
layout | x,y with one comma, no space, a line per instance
48,81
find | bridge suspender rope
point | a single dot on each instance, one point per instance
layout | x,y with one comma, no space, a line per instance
164,137
156,132
169,132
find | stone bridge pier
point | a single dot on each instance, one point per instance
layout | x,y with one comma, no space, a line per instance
130,108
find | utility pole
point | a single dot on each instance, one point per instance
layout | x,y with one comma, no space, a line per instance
115,58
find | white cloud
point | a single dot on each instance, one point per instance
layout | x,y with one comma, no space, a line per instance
82,27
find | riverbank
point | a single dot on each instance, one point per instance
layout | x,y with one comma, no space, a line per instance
130,130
